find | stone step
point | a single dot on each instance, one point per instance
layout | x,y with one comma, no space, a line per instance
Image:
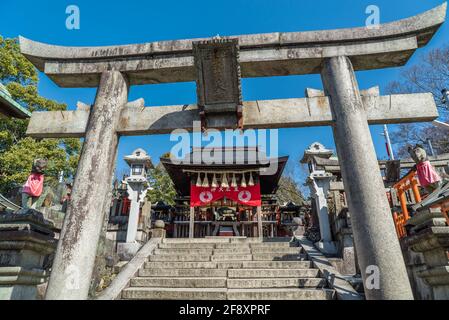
272,256
229,264
232,245
229,237
276,283
278,250
280,294
275,245
273,273
243,250
174,293
196,264
277,264
145,272
210,251
245,240
231,257
180,257
206,282
180,265
184,251
196,240
187,245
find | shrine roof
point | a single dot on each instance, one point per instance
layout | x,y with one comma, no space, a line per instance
9,107
181,170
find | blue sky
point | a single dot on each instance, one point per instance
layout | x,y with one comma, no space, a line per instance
132,21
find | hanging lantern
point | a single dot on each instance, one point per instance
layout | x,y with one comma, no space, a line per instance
198,181
214,182
243,183
206,181
224,181
234,181
251,180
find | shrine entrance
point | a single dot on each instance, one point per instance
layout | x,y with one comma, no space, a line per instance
224,218
232,200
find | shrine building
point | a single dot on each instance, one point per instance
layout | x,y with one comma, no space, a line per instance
229,198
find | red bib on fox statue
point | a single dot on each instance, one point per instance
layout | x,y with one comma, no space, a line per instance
201,196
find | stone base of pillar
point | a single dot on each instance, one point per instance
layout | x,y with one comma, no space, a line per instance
430,236
159,230
347,251
127,251
327,247
158,233
27,242
18,283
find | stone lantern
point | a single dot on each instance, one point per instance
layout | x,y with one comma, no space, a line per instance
137,186
319,184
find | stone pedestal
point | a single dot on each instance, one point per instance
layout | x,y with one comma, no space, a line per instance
347,251
27,242
430,237
159,229
319,183
137,191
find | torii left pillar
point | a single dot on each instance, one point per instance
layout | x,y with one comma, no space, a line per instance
75,257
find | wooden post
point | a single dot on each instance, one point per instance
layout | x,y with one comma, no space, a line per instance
175,229
192,223
259,222
415,189
403,199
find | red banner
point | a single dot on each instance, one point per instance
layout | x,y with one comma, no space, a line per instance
200,196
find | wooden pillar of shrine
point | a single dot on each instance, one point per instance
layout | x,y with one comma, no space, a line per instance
192,223
259,222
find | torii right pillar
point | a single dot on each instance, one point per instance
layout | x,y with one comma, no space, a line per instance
375,237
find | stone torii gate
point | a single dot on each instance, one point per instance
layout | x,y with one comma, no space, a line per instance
217,65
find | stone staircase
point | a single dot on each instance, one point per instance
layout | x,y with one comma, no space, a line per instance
228,268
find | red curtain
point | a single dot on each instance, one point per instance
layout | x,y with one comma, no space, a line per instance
250,196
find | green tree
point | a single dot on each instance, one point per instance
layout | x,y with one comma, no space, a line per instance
17,151
288,191
162,186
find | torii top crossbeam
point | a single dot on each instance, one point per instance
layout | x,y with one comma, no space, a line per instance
261,55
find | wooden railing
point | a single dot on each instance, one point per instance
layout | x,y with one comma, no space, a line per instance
405,189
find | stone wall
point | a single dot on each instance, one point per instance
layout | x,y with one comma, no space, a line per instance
426,251
415,264
27,244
